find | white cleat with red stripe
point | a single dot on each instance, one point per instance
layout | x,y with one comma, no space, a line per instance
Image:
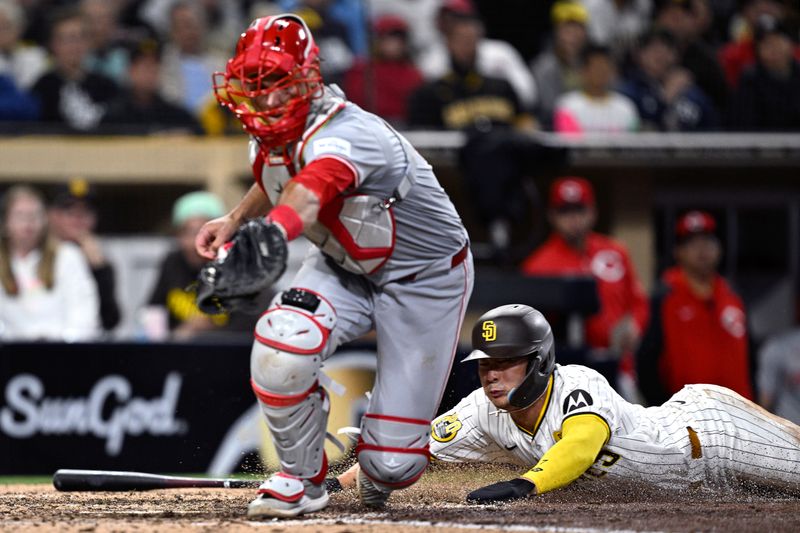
285,496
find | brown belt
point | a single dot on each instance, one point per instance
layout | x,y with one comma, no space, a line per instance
456,260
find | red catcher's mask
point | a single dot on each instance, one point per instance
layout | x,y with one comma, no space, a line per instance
276,62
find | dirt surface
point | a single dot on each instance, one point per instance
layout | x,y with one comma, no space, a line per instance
437,501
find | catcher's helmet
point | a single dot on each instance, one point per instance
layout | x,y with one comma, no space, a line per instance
275,55
512,331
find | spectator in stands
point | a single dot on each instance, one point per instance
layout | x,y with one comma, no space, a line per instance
69,94
384,84
174,291
47,290
224,19
768,95
179,270
618,24
595,108
698,326
419,14
573,248
73,219
681,19
740,52
665,95
187,61
15,104
140,109
557,69
494,58
108,52
496,155
24,64
331,36
778,376
349,14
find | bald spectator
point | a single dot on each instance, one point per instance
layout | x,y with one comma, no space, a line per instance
698,325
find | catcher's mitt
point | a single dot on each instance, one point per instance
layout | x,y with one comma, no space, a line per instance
248,265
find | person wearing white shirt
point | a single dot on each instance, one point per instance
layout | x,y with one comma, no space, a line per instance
495,58
46,288
595,108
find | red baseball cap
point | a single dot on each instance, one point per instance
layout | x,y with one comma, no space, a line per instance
390,24
695,223
571,192
460,7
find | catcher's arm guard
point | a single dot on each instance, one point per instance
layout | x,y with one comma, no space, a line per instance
253,260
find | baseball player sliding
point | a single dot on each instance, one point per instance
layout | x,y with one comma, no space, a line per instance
565,422
391,255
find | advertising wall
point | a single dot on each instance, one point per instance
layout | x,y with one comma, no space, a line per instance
153,407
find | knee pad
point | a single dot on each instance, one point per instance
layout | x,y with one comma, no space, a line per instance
393,451
289,340
284,366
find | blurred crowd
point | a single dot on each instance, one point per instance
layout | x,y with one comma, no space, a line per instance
145,66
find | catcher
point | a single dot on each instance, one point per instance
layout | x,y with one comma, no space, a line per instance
391,255
565,422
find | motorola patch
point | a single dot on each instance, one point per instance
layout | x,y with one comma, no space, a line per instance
445,428
577,399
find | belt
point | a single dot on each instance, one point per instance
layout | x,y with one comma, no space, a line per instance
456,260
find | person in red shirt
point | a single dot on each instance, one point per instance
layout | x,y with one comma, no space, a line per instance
574,249
384,84
698,326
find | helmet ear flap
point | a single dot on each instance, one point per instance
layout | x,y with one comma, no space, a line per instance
540,368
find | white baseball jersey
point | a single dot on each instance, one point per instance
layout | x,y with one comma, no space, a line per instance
703,433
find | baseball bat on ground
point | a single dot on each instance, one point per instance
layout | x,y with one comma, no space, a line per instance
109,480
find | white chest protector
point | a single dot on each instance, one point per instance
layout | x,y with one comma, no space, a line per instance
356,230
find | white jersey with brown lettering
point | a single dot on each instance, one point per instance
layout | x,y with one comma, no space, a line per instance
703,432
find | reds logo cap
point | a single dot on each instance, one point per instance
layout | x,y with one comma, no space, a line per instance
695,223
571,192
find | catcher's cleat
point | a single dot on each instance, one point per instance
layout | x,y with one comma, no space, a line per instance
285,496
370,494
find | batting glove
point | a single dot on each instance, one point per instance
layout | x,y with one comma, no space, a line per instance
502,491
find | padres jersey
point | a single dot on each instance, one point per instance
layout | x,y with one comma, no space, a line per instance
703,433
424,226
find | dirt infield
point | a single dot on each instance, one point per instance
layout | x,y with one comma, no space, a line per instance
437,501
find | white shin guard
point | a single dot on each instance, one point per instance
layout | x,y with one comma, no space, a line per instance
285,366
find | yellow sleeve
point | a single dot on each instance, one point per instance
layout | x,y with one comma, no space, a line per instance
583,437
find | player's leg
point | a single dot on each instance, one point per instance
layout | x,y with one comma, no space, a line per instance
418,325
757,446
300,329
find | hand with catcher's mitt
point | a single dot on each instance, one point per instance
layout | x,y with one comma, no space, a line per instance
253,260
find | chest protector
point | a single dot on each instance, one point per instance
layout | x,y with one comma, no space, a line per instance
356,230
